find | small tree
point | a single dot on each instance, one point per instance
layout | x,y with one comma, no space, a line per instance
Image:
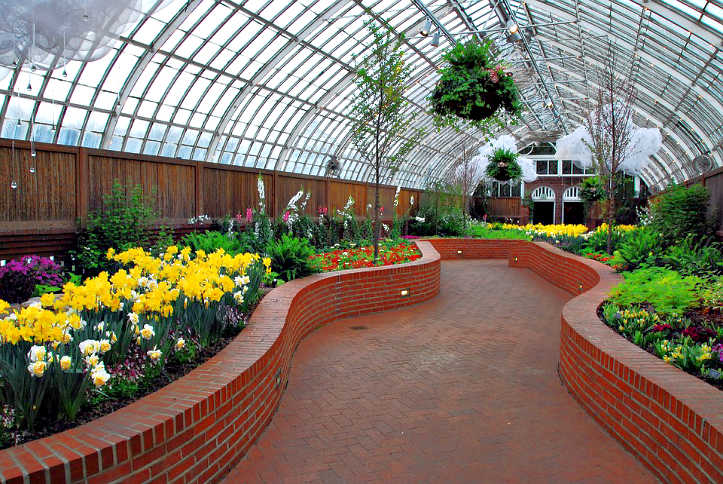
610,126
380,111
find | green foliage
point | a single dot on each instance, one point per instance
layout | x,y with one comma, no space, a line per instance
122,223
693,256
488,231
666,290
41,289
163,240
639,248
598,241
474,87
592,189
503,166
211,241
681,211
290,257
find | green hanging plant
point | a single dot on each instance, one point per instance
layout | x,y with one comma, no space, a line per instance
475,87
592,189
503,166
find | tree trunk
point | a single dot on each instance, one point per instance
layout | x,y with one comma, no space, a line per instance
611,213
377,221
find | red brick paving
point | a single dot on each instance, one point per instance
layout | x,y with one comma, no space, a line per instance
463,388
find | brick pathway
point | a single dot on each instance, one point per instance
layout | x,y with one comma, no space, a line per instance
460,389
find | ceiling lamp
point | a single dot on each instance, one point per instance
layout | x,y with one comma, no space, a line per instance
424,31
435,39
512,27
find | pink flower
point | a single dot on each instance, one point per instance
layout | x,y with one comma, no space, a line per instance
249,215
286,216
323,210
494,77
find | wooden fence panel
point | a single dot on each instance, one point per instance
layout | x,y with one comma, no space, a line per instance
504,207
288,186
45,189
339,193
386,200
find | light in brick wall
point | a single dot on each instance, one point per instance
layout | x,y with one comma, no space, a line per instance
580,286
405,292
459,252
515,258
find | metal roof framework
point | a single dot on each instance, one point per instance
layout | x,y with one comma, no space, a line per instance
268,83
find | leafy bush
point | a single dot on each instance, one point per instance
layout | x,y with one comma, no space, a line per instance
122,223
681,211
639,248
15,286
290,257
694,256
19,277
667,291
211,241
598,241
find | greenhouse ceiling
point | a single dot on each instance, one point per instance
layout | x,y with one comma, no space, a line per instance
268,83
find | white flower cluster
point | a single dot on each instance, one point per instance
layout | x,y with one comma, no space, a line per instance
200,219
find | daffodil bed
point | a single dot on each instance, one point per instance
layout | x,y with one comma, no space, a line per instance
358,257
115,338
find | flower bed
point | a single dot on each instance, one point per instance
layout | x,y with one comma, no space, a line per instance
114,336
356,258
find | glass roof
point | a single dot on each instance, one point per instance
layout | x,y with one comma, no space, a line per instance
268,83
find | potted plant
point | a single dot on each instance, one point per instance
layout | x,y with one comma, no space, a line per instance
475,87
503,166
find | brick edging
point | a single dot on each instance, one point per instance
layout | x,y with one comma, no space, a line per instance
198,427
672,421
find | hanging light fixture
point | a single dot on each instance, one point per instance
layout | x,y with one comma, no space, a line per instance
424,31
435,39
512,27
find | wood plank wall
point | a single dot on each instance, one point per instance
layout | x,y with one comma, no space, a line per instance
59,186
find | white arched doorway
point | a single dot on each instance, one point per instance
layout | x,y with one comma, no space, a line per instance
544,205
573,210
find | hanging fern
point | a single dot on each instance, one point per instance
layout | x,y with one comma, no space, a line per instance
503,166
592,189
474,87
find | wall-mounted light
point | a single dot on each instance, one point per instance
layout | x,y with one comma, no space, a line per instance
515,258
580,287
459,252
404,292
424,31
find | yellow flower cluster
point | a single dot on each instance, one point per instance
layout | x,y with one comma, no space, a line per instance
150,287
550,230
621,228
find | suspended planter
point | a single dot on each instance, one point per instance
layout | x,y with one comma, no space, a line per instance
592,189
474,87
503,166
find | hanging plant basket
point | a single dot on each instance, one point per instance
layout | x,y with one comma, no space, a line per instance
503,166
592,189
474,87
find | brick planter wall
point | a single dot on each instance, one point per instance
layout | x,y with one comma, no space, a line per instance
672,421
198,427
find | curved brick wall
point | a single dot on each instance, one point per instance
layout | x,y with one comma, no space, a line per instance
671,420
198,427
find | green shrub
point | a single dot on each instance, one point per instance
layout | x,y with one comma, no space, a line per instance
598,241
667,291
290,257
122,223
681,211
639,248
694,256
211,241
